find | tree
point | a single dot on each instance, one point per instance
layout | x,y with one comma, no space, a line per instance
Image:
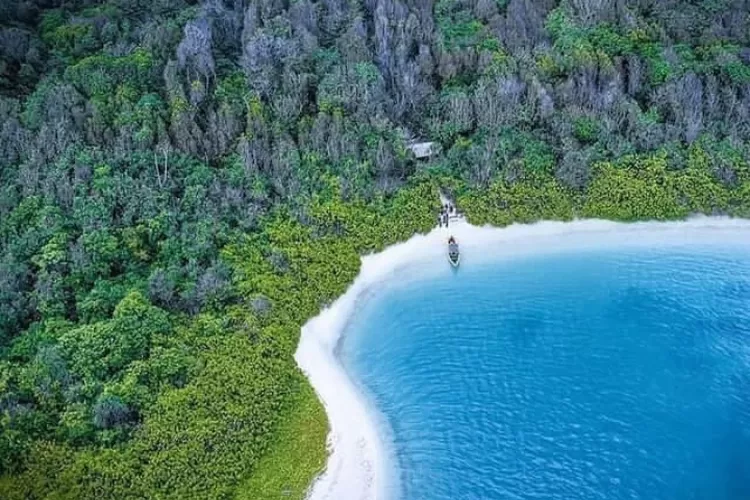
110,412
101,350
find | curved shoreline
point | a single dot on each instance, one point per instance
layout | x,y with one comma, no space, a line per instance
356,468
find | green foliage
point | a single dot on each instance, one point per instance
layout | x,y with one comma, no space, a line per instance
34,106
585,129
634,188
238,387
233,91
99,351
51,21
537,156
210,396
146,114
25,347
100,75
500,62
725,59
536,198
72,41
606,38
296,456
52,254
643,188
577,46
460,29
632,194
659,69
572,45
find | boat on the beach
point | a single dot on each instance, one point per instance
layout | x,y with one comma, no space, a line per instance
454,256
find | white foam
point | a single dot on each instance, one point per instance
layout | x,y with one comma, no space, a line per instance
358,462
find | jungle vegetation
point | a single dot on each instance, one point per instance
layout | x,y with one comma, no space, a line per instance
183,183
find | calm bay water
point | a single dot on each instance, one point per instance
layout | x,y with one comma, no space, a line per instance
591,375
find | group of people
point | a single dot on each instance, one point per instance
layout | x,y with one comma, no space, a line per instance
446,211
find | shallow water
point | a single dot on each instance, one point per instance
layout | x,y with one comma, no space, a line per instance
603,374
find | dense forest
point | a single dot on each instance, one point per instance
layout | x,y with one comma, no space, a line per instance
183,183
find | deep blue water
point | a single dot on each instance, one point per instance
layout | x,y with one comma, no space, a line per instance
612,375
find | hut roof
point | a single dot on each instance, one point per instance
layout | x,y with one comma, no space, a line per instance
422,149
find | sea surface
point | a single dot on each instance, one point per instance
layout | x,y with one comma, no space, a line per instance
606,374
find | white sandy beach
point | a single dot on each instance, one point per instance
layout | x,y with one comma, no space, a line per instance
358,463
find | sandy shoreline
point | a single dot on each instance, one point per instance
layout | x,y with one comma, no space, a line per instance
357,464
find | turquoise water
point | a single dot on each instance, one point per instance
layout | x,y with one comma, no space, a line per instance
612,375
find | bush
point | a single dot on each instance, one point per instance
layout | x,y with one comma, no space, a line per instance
110,412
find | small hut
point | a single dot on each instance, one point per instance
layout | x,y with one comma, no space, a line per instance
422,150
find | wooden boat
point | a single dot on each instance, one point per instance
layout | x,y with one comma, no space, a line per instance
454,256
